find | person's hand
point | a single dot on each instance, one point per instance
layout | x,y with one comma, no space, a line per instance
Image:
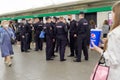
96,48
23,36
75,35
50,28
53,40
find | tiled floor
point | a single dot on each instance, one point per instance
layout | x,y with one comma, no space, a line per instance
33,66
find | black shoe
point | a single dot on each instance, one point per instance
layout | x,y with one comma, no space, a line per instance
54,56
56,51
9,64
76,60
22,51
41,49
27,51
36,50
75,57
49,59
11,57
71,56
63,60
30,49
86,59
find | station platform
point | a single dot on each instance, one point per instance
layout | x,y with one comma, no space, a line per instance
33,66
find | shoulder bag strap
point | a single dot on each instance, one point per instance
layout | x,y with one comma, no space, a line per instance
8,33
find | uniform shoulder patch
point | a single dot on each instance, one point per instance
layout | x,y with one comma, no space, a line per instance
85,23
40,25
59,26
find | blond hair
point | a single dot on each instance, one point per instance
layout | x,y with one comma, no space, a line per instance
116,11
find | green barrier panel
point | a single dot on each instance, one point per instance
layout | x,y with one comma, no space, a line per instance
89,10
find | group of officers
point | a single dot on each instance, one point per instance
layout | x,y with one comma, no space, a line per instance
58,34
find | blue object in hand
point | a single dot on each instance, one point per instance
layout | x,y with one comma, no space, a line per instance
95,37
42,34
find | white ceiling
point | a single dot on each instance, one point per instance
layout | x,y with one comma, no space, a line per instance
8,6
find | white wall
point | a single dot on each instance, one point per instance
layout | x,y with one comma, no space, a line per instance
101,16
66,17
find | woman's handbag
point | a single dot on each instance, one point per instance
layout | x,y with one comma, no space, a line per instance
12,40
101,70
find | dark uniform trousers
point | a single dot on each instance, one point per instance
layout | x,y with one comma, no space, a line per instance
49,47
62,42
29,40
56,46
53,48
41,43
73,45
24,43
82,41
38,42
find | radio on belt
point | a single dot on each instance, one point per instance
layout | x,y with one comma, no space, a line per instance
95,37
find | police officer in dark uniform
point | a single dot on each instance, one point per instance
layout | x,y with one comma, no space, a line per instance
53,22
49,38
61,34
56,46
82,35
38,27
24,36
68,27
73,37
30,26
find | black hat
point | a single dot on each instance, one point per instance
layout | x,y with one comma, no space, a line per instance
47,18
81,13
55,17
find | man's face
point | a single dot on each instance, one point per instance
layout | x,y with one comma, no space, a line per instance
53,20
49,20
23,21
36,20
31,21
80,16
5,24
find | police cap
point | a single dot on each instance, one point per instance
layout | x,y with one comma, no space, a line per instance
81,13
48,18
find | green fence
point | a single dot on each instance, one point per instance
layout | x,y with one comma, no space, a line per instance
89,10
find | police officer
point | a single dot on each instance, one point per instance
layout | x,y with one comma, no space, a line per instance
73,37
38,27
30,26
82,35
61,34
56,47
68,27
53,22
49,38
24,36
